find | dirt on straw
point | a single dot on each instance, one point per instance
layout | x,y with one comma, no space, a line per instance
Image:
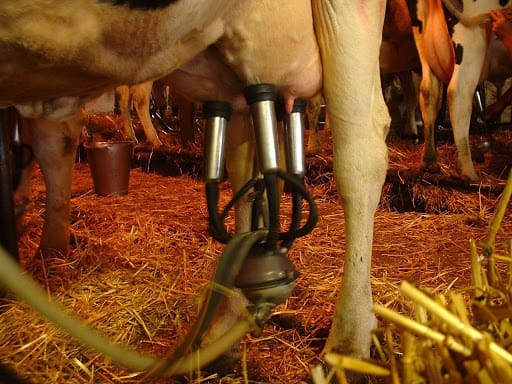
139,264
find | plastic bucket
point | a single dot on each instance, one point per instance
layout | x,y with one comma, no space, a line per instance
110,164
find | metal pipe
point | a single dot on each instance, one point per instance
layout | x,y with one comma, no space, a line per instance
217,114
8,235
294,139
261,98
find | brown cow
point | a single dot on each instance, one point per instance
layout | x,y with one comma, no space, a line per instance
57,54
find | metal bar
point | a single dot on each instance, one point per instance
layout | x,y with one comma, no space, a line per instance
8,236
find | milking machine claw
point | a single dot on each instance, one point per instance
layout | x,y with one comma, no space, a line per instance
256,262
267,279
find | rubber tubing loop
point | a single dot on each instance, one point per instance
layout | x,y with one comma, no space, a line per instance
223,281
296,213
238,195
215,221
14,278
313,211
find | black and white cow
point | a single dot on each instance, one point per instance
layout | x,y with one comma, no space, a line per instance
456,47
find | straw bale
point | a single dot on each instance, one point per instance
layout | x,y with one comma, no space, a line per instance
140,263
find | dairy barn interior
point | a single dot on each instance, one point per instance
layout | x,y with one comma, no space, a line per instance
143,267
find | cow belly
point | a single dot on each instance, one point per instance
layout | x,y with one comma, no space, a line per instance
52,49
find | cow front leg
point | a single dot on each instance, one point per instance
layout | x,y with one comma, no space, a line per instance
54,146
360,160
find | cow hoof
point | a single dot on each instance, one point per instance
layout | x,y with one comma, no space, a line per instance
431,168
469,174
470,178
225,364
320,374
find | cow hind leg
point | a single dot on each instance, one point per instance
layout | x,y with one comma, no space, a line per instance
55,150
359,121
460,101
410,91
140,95
430,102
123,100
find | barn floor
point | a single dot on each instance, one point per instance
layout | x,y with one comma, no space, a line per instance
139,262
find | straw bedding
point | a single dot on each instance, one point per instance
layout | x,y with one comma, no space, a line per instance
140,262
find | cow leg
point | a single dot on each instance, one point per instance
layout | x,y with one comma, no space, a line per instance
140,95
410,91
460,106
123,101
460,93
349,35
430,102
161,95
314,145
240,164
492,113
186,111
55,150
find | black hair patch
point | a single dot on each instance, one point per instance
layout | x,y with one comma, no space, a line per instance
141,4
459,53
413,12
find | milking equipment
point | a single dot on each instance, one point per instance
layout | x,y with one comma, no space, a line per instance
264,273
256,262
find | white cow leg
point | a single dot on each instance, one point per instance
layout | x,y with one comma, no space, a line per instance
359,119
460,112
54,146
460,101
361,162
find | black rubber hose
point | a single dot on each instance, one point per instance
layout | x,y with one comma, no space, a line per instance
259,189
238,195
223,282
313,211
296,213
215,221
273,210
